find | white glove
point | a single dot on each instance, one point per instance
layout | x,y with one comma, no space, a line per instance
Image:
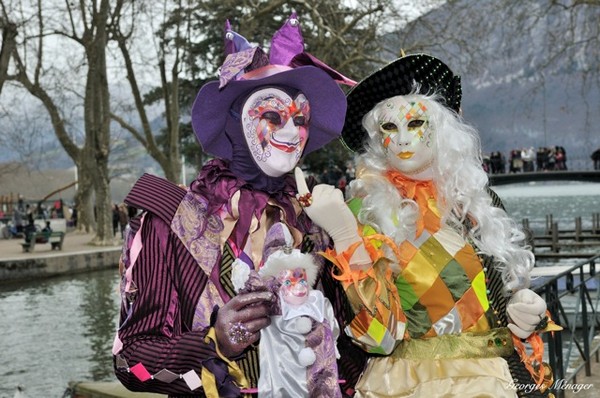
525,309
329,211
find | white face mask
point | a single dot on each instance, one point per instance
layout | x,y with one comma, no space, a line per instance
406,135
276,129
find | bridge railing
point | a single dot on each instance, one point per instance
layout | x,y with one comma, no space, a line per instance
573,301
560,175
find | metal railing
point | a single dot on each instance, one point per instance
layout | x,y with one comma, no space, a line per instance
579,328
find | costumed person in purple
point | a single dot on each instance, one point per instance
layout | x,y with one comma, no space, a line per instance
183,329
435,270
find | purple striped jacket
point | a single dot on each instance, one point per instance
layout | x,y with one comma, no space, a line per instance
157,315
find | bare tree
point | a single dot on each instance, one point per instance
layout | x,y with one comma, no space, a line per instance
30,77
27,148
168,67
86,25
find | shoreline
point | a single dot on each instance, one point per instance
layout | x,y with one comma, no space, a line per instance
76,256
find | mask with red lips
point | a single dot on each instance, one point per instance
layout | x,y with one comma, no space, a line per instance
275,127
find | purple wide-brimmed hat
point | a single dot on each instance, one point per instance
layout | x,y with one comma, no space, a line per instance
248,68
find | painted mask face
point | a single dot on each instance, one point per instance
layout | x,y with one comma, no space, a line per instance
406,135
294,286
276,129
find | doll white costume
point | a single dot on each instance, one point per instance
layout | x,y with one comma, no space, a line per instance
298,349
428,281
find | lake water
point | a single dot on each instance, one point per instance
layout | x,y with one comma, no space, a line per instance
61,329
55,331
565,202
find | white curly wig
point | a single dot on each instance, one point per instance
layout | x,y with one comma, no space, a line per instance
461,184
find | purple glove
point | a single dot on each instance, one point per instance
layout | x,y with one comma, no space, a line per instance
240,320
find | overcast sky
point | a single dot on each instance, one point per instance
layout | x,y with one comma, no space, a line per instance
63,58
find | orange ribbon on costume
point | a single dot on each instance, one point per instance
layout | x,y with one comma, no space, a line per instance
421,192
345,273
539,370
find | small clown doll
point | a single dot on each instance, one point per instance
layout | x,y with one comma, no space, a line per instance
298,350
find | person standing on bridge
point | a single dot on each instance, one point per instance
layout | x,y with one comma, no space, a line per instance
435,271
596,159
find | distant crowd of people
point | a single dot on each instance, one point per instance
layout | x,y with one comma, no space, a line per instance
23,216
526,160
20,221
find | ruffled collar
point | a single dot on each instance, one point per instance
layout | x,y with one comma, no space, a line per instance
218,184
424,193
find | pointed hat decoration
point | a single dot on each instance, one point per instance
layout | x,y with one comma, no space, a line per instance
287,50
234,42
287,42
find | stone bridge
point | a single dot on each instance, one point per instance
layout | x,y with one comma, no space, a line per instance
563,175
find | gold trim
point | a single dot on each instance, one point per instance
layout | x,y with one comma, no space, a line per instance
489,344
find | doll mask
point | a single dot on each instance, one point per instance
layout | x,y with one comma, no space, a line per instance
275,127
294,286
406,134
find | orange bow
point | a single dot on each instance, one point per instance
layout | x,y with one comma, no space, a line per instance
422,192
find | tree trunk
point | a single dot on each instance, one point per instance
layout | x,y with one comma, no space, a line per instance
97,123
86,220
86,214
9,33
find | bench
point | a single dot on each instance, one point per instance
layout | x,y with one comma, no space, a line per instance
54,238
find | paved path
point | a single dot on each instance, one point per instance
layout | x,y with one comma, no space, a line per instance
75,242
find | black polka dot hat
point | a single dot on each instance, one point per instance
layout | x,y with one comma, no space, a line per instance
398,78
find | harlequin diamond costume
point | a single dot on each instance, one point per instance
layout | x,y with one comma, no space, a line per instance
430,271
183,329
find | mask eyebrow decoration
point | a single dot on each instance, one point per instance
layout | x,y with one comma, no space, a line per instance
271,108
277,111
409,117
300,110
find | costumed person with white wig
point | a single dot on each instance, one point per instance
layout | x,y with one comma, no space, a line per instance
435,270
184,330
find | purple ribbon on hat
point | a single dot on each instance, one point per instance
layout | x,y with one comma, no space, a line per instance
235,64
